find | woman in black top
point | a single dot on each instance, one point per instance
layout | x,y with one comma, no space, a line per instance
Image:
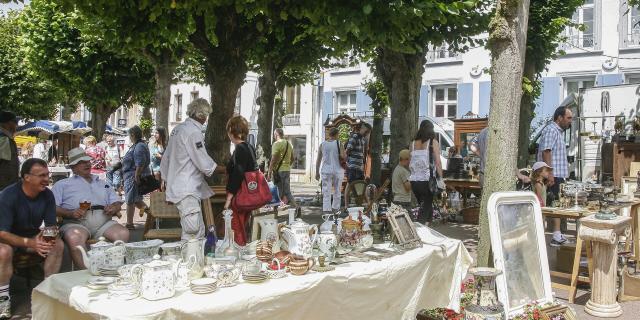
242,160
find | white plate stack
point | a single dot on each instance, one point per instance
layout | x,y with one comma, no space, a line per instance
257,277
204,285
99,283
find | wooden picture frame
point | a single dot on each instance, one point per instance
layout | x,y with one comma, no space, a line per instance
558,310
519,250
402,227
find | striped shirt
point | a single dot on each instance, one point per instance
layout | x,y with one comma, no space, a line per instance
355,151
552,138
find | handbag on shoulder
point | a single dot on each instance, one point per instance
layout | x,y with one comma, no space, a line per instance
254,191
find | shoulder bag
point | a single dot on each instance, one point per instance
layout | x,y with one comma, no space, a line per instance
433,180
254,191
276,176
148,183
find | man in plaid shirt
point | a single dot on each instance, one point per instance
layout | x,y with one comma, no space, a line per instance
356,149
553,151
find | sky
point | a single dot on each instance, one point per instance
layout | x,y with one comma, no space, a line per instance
11,5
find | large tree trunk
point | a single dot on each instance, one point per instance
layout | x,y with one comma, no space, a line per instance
268,90
99,116
375,147
507,41
401,74
164,68
225,69
527,108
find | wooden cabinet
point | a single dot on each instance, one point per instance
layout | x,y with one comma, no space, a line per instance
465,130
617,158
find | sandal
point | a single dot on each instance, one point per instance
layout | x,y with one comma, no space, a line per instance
130,226
143,211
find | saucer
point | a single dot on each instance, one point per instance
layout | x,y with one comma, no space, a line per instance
100,281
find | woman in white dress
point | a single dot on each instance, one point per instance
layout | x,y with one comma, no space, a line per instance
328,167
424,156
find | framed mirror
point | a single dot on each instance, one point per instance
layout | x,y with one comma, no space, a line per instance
519,250
402,227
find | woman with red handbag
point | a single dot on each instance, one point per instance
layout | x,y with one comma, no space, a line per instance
247,189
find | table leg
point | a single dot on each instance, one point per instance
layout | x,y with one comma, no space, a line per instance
603,288
575,270
635,231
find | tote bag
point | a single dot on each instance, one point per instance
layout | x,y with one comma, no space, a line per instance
254,191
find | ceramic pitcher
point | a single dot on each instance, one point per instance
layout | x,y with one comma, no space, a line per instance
269,230
194,249
328,243
297,238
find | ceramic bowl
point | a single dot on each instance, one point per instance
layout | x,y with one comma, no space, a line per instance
142,250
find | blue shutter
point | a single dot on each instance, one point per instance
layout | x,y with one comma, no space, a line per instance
485,98
423,104
465,99
363,101
551,95
328,105
609,79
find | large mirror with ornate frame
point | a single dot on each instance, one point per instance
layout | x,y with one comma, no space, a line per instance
519,250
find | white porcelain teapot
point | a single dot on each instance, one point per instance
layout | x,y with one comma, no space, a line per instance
297,238
156,279
103,255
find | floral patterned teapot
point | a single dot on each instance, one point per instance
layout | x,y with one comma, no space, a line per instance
298,239
156,279
103,255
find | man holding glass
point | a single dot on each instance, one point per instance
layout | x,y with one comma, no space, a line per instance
87,205
24,207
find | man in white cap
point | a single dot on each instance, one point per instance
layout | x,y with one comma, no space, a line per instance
80,224
184,165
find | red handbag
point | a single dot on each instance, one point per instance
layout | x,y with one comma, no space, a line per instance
254,191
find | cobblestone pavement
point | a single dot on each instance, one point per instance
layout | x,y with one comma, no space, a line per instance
307,195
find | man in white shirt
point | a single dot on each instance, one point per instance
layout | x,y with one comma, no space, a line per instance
40,150
80,224
184,165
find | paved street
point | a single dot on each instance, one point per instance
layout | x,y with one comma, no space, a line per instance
467,233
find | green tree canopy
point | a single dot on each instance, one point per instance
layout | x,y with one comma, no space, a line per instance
103,77
396,35
21,90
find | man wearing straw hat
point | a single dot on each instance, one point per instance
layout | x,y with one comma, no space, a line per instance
87,205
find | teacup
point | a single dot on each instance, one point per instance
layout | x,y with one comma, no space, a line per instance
300,266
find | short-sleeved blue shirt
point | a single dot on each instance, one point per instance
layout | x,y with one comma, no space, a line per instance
22,215
137,156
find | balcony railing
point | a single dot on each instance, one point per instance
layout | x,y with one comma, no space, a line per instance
442,54
584,41
633,39
291,120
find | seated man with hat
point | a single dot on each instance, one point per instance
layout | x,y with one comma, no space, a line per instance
24,207
96,219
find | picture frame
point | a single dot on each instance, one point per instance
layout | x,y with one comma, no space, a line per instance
402,227
553,312
519,250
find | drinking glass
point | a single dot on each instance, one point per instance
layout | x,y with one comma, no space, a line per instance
50,234
86,206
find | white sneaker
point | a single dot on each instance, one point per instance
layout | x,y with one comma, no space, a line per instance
5,307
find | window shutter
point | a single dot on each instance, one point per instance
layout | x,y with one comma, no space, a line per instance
423,105
465,99
485,98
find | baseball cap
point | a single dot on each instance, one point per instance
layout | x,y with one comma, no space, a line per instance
540,164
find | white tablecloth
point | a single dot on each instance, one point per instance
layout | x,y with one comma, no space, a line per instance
394,288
